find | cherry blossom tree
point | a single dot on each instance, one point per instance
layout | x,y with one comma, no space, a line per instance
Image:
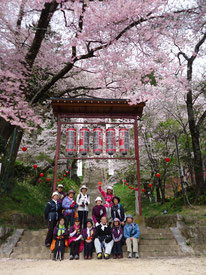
46,45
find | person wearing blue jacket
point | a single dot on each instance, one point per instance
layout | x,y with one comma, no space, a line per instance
69,205
131,234
51,214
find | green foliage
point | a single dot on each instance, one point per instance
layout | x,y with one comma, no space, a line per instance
29,199
127,197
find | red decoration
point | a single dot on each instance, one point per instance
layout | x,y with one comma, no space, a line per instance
35,166
67,172
24,149
41,174
150,185
132,188
100,183
158,175
124,180
129,187
143,190
65,175
69,167
127,183
58,180
48,179
167,159
136,189
61,178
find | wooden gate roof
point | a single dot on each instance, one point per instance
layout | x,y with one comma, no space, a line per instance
97,106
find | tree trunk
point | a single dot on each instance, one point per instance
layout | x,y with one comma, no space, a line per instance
35,178
195,135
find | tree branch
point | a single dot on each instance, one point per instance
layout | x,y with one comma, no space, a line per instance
45,17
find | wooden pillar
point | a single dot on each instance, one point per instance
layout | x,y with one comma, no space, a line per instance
57,151
138,166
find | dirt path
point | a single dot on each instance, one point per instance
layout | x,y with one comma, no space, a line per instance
178,266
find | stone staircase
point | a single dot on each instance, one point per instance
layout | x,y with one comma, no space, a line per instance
91,178
153,243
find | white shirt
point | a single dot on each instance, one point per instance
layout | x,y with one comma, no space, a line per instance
83,199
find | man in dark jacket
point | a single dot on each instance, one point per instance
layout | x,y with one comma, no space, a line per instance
51,214
103,239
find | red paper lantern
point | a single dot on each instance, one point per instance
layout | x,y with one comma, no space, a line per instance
127,183
143,190
41,174
67,172
158,175
24,149
110,141
100,183
35,166
167,159
69,167
132,188
150,185
61,178
136,189
123,141
58,180
65,175
48,179
129,187
97,141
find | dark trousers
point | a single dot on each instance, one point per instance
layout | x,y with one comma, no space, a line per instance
59,249
117,248
49,236
74,248
69,220
88,248
83,218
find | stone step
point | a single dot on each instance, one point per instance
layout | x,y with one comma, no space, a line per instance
158,242
143,254
157,236
158,248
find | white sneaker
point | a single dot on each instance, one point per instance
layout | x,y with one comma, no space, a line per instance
137,255
130,255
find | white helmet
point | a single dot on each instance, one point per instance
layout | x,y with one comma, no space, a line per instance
98,199
110,188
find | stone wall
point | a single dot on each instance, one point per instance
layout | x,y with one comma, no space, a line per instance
27,221
160,221
196,237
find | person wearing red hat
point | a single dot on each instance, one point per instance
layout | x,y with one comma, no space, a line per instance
69,205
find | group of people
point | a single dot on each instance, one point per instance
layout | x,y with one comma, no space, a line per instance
107,231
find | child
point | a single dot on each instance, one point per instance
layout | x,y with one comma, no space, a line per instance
131,234
88,235
83,200
98,211
117,235
117,211
60,234
108,196
51,214
69,206
75,240
103,238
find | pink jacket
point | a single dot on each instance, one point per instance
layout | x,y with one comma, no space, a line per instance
108,198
